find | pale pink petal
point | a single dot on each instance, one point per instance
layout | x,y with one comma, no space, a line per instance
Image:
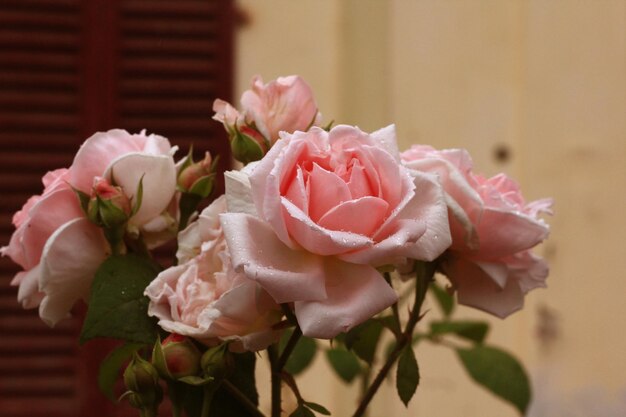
326,190
317,239
297,192
265,180
386,139
28,294
475,288
358,183
529,269
286,274
504,233
97,152
355,294
239,193
69,261
46,216
362,216
158,176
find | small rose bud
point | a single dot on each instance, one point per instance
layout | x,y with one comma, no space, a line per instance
248,145
217,362
108,206
197,177
140,376
180,357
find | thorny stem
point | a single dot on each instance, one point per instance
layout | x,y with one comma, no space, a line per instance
424,274
245,401
291,344
275,381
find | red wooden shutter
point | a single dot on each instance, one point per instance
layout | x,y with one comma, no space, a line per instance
67,69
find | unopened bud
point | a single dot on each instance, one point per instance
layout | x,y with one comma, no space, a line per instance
142,381
217,362
179,358
108,206
197,177
248,145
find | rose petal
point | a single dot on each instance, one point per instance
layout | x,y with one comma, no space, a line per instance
157,174
355,294
69,261
504,233
326,190
363,216
386,138
98,151
358,184
297,192
317,239
287,275
479,290
28,294
239,193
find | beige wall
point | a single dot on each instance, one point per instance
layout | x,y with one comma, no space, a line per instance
545,80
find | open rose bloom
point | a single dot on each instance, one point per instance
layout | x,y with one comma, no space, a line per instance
57,246
493,229
328,208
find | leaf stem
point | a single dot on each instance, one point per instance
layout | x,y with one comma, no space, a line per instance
245,401
207,398
425,272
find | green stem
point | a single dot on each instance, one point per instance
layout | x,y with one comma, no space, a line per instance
425,273
207,398
245,401
394,307
275,381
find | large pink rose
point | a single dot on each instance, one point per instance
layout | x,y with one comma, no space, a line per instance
285,104
57,246
322,211
205,298
493,230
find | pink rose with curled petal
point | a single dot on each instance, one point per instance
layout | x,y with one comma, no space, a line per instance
285,104
493,229
49,229
58,247
320,212
205,298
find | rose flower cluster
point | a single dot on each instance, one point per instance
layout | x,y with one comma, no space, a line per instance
307,225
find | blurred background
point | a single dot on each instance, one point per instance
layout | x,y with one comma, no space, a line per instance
533,88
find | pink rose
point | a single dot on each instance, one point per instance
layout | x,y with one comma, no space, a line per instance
57,246
328,208
49,230
493,230
285,104
205,298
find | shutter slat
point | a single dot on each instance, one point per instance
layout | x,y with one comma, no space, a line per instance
138,25
148,45
179,66
42,59
12,40
179,9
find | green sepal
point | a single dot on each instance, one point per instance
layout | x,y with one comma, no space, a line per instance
138,198
203,187
111,366
245,149
196,380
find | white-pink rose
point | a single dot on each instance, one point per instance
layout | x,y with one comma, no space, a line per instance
330,207
58,247
285,104
205,298
52,235
493,229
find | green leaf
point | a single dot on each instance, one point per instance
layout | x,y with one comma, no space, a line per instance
302,355
111,366
392,324
363,339
444,299
407,375
302,411
345,363
475,331
117,307
499,372
317,407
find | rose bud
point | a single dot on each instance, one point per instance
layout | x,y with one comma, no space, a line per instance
108,206
142,382
198,177
217,362
179,357
248,145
